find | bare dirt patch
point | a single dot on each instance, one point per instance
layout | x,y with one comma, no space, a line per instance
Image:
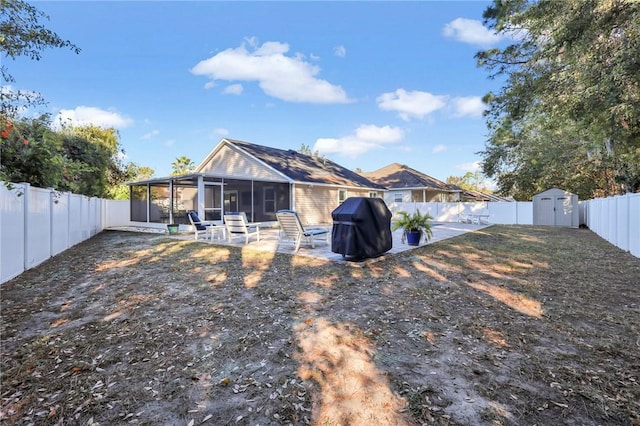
507,325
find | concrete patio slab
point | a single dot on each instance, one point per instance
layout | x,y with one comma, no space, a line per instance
269,241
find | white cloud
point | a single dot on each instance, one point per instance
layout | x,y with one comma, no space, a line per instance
150,135
469,167
365,138
85,116
471,31
219,132
289,78
233,89
169,143
411,104
340,51
470,106
210,85
439,148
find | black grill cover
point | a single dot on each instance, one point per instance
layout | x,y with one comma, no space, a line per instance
361,228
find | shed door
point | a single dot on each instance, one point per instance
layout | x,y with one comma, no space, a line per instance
546,214
563,210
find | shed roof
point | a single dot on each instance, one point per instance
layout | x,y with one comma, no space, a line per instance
300,167
399,176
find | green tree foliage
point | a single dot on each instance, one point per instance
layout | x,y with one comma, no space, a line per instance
568,113
473,181
84,160
306,150
182,166
31,152
22,34
133,173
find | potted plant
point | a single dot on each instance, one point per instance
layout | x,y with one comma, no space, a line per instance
415,227
173,228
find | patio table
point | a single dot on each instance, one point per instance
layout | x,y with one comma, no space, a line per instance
218,232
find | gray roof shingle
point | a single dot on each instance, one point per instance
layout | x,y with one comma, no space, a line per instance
304,168
399,176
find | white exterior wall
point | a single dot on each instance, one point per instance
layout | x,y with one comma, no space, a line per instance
231,163
314,203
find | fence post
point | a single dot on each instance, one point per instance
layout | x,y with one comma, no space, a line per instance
27,194
52,194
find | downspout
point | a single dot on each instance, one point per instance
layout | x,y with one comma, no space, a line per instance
200,199
292,198
148,201
170,200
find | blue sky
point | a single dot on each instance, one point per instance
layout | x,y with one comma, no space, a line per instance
364,83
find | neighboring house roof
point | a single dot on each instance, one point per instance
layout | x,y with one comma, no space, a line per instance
399,176
299,167
490,197
471,195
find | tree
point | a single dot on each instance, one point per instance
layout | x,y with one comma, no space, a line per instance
22,34
133,172
31,152
306,150
471,181
567,113
84,160
94,157
182,166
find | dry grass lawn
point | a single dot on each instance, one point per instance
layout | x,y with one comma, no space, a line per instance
508,325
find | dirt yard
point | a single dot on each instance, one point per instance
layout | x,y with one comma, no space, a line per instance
503,326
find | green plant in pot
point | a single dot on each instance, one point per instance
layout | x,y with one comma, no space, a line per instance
415,226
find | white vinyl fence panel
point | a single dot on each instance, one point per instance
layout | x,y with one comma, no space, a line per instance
12,222
37,223
117,213
38,226
617,220
504,213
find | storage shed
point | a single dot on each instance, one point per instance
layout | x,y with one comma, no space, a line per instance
556,207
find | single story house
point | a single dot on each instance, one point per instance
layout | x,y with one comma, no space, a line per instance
405,185
255,179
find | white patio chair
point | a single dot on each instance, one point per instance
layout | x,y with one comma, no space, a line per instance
291,230
464,218
237,225
200,227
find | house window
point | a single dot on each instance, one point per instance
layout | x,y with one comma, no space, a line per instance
269,199
342,195
397,197
373,194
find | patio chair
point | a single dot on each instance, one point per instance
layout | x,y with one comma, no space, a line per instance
464,218
237,225
201,227
291,230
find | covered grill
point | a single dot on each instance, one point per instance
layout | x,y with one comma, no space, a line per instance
361,228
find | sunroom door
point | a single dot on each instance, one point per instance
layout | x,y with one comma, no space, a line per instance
213,201
231,201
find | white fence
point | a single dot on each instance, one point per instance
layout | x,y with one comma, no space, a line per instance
617,220
514,213
37,223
